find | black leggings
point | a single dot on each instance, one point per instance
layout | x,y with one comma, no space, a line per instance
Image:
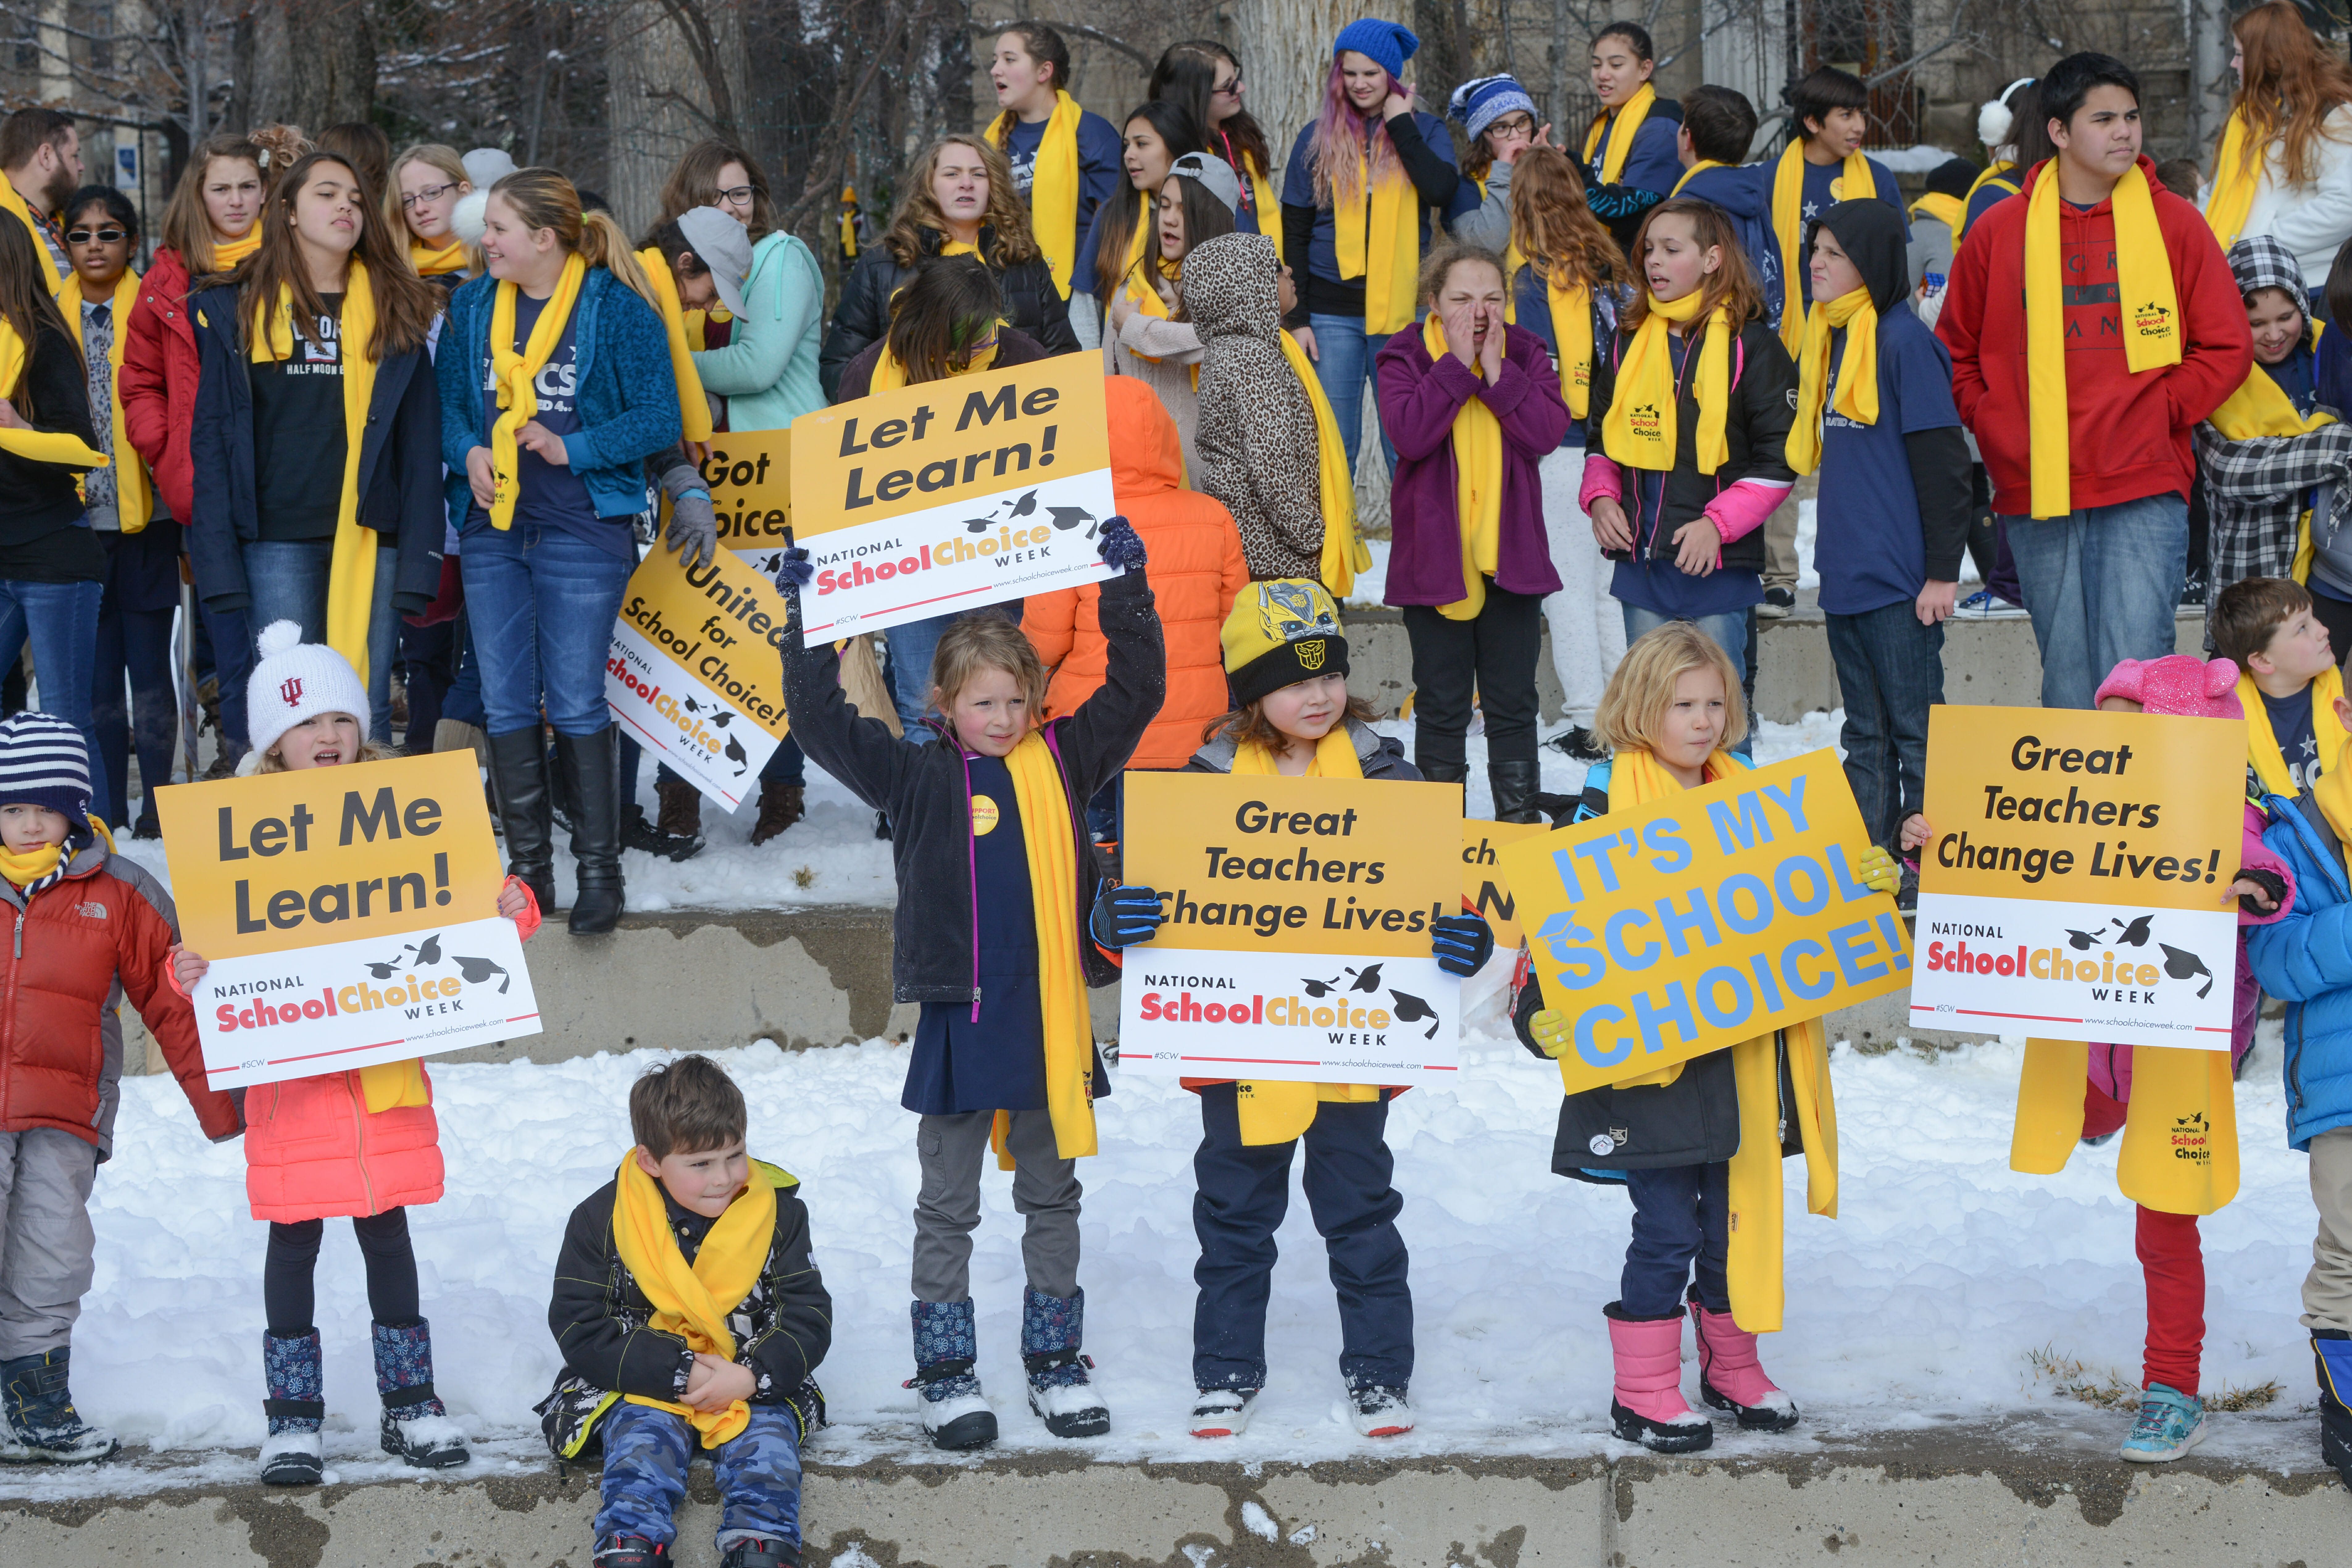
286,1292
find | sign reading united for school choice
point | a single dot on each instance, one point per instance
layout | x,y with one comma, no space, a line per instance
349,915
952,494
1717,915
2077,885
1297,943
693,671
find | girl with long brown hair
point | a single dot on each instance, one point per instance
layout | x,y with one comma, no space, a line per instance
315,443
1203,78
1064,160
2284,164
959,201
556,387
1154,136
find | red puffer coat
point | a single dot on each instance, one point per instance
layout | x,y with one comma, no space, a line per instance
77,949
158,383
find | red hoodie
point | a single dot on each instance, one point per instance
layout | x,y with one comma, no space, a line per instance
2127,435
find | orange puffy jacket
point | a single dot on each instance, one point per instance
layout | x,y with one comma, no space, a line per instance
1196,571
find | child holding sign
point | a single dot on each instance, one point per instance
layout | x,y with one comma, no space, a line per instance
1287,663
1672,1136
993,818
63,1063
363,1144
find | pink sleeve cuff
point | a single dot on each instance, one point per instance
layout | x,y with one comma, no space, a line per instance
1603,476
1741,510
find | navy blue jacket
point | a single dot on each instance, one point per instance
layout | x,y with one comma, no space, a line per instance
2305,958
1425,150
400,463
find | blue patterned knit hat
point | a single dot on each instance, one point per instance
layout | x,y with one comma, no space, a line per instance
44,762
1478,104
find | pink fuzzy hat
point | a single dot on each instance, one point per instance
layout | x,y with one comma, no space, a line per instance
2177,684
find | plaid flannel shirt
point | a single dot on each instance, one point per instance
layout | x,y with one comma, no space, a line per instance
2256,492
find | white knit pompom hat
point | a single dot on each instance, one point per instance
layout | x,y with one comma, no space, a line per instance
295,681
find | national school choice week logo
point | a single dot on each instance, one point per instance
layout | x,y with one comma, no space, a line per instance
2127,978
415,993
1340,1013
1015,540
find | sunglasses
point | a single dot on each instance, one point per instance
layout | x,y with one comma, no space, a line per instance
1227,90
103,236
429,193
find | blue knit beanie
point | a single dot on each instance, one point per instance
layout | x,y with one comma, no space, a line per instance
45,762
1383,42
1478,104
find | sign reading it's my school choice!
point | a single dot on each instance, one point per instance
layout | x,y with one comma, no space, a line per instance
349,915
1721,913
2078,886
693,671
951,495
1296,945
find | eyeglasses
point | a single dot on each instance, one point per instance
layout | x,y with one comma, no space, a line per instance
429,193
735,196
103,236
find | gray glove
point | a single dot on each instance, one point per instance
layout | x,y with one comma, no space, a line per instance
693,531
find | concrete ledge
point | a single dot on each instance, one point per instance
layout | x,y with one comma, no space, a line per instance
1966,1494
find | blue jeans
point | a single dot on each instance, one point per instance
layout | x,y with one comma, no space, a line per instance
1729,631
646,1454
60,620
1682,1223
1343,363
287,579
463,701
2102,586
133,651
1890,671
542,602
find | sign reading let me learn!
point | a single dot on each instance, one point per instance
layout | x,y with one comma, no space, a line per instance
2077,884
349,915
951,495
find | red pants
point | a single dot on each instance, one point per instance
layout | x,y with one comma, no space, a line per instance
2173,1265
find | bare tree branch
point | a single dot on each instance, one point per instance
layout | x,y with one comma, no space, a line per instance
1143,61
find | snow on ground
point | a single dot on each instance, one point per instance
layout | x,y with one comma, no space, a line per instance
1920,1307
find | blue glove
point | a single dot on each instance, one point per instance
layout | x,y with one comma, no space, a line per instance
796,571
1120,545
1462,943
1124,916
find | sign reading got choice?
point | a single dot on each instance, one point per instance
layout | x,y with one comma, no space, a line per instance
952,494
1721,913
349,915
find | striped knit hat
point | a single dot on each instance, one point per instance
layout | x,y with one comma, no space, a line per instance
44,762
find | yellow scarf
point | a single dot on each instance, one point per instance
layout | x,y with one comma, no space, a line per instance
1701,166
516,368
2150,313
133,499
2261,744
2001,175
351,576
1478,438
2181,1105
1753,1263
1571,331
41,445
2261,408
1951,211
227,253
1344,553
1279,1112
11,201
692,1302
849,222
30,867
1857,376
1052,185
431,262
2237,176
693,407
1855,183
1645,380
1263,205
1045,806
889,375
1379,240
1619,126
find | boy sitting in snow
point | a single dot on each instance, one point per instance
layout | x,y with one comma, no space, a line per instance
688,1310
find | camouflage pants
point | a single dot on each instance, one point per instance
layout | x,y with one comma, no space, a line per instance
646,1454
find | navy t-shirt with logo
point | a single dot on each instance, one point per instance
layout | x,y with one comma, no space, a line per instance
2297,736
552,493
1866,538
298,434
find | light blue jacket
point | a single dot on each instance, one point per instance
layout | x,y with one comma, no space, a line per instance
2305,958
767,371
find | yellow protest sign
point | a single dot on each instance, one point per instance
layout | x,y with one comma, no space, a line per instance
694,671
299,888
2076,886
1483,888
951,494
1692,923
1296,945
750,476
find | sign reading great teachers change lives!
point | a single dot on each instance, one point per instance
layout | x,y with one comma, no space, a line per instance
2077,884
694,672
349,915
1671,930
1296,944
951,494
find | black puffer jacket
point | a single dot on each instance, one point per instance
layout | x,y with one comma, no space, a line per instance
1031,303
926,790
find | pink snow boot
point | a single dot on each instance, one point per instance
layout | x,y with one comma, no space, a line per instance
1729,1378
1647,1404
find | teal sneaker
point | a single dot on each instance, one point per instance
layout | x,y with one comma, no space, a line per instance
2170,1424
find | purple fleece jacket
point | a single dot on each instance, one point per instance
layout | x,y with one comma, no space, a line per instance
1418,403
